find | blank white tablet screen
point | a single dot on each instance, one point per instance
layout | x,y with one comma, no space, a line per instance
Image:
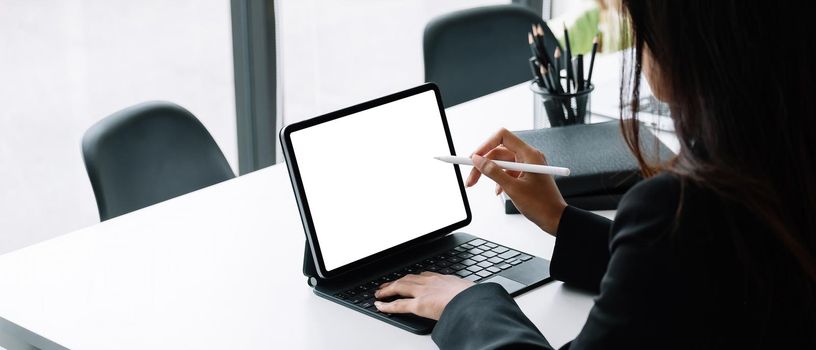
372,182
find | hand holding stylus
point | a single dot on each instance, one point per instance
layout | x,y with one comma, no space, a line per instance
535,195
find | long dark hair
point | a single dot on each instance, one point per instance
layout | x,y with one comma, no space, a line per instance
741,81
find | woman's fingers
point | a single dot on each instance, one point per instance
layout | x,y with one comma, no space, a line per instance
401,287
523,151
504,145
493,171
399,306
498,153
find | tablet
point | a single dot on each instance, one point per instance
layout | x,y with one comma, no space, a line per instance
366,181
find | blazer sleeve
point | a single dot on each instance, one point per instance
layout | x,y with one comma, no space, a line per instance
484,316
630,311
581,252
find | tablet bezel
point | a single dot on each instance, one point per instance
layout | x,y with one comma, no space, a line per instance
303,203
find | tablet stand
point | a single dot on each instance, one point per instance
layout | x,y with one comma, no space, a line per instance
309,269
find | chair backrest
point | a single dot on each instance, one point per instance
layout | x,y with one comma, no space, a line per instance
149,153
474,52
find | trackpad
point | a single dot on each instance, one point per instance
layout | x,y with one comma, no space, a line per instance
509,285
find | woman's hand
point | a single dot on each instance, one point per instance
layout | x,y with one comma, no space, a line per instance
425,295
535,195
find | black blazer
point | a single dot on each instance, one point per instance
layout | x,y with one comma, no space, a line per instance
667,278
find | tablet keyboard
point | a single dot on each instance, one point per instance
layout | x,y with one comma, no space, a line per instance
475,260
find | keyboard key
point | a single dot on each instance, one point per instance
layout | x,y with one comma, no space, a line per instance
476,251
465,255
489,254
459,249
451,253
493,269
362,288
455,259
351,293
366,304
496,260
384,279
477,242
479,258
396,275
374,309
446,271
418,266
430,261
443,264
491,245
463,273
484,273
367,295
355,300
341,295
432,268
457,267
473,278
515,262
505,266
410,271
468,262
525,257
500,250
466,246
484,264
508,254
474,268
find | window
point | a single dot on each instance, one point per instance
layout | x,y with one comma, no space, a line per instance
67,64
338,53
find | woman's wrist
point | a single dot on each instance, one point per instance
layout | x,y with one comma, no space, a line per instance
553,218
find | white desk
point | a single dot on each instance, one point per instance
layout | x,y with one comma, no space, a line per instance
221,268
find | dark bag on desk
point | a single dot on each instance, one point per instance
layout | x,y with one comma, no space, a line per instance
602,168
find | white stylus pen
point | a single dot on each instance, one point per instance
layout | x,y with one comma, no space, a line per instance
529,168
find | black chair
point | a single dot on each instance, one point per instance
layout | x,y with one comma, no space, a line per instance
149,153
474,52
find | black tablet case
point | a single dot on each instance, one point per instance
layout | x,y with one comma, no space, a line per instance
602,168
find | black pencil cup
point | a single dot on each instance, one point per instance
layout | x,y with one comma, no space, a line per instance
560,109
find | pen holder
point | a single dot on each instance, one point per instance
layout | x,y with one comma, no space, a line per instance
551,110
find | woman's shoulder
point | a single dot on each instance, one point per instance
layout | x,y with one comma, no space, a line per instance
663,188
649,209
666,203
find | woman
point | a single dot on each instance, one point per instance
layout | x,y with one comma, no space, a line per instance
716,248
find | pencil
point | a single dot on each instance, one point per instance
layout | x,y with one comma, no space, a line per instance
548,79
538,35
592,61
534,68
557,56
578,64
568,58
533,47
